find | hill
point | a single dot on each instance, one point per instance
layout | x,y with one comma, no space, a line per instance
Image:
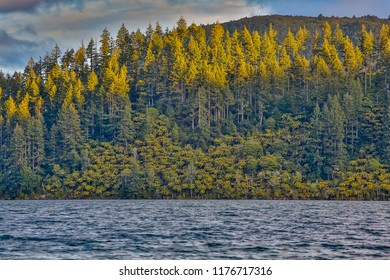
294,110
350,26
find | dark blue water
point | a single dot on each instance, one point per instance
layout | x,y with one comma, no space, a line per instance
194,230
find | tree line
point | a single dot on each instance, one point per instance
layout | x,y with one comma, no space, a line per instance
186,113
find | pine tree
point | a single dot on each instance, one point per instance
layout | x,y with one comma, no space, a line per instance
181,29
10,108
334,136
37,145
290,44
352,57
70,139
137,50
338,38
50,88
367,42
125,127
384,53
23,112
92,56
80,60
153,66
191,177
18,148
105,48
315,146
32,87
19,178
123,44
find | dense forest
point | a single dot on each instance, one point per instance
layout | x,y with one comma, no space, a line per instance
203,112
282,24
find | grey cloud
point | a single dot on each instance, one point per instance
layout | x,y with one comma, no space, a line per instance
14,53
11,6
27,31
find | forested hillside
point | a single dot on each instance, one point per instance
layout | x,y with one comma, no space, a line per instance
191,113
350,26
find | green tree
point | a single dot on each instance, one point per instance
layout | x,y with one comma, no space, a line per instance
367,42
69,135
105,48
334,135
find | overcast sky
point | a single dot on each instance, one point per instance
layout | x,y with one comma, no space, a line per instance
29,28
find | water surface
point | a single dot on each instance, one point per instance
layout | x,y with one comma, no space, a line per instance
194,230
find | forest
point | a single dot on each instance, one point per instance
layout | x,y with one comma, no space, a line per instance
203,112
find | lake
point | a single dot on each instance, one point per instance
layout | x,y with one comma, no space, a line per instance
150,229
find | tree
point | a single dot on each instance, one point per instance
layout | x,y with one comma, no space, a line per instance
51,88
179,68
133,185
367,42
32,87
10,108
123,44
334,135
352,57
114,90
36,144
191,177
92,55
70,139
80,60
23,111
105,48
315,147
125,127
92,81
19,154
384,53
20,180
181,28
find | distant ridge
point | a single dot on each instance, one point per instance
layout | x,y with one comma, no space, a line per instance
281,23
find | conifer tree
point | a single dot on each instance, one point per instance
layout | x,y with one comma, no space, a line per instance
37,144
92,56
69,135
123,44
367,42
105,48
80,60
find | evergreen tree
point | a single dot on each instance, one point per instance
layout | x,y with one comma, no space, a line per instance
334,135
92,56
69,135
105,48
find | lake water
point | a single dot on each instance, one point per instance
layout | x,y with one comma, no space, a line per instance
194,230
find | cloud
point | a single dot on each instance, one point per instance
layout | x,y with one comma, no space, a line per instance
15,52
12,6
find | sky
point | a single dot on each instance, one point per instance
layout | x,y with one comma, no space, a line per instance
30,28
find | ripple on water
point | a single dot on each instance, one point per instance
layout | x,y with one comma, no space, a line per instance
194,230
